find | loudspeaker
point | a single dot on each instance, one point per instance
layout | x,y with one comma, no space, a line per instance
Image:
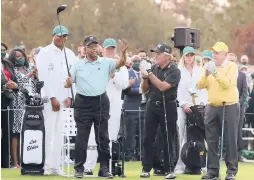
186,37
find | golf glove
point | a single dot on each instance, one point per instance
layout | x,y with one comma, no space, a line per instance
144,66
210,67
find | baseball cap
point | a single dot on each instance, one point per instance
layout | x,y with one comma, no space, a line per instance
57,31
188,50
207,54
219,47
109,43
244,57
90,39
162,48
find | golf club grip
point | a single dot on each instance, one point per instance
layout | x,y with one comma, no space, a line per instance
69,74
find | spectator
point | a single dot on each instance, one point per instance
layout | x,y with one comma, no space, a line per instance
174,60
243,95
190,74
22,73
250,110
8,84
128,63
207,56
132,100
81,52
4,49
244,60
142,54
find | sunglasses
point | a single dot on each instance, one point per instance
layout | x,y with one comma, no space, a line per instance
65,35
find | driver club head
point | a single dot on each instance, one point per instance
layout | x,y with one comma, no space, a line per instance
61,8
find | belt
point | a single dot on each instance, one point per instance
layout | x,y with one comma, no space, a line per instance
90,97
160,103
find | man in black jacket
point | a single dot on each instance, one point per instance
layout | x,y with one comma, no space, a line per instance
243,94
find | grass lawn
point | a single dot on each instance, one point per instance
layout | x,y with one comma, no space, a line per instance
132,171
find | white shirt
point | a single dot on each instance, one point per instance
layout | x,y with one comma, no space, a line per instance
115,85
189,81
52,69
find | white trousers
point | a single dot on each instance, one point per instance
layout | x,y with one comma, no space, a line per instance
181,123
53,138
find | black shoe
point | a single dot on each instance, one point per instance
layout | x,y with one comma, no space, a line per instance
210,177
145,174
88,172
230,177
192,171
104,173
79,174
158,172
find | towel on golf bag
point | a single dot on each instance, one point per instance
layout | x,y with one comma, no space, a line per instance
248,154
193,155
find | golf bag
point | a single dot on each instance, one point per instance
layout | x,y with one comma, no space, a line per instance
193,153
33,134
33,141
116,152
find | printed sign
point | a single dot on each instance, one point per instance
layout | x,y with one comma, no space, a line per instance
32,149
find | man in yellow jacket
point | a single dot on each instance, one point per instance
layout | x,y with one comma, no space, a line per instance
220,80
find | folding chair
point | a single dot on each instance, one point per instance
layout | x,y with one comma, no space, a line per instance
69,129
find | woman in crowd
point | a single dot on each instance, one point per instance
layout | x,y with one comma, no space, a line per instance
190,74
8,84
26,79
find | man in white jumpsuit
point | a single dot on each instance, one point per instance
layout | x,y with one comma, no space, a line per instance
52,70
119,81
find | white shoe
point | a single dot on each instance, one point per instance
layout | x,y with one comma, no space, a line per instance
179,171
47,172
66,161
58,172
170,176
204,170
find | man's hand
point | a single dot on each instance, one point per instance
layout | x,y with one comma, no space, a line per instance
11,85
144,74
112,75
123,45
67,102
210,68
55,104
187,109
144,65
131,82
68,82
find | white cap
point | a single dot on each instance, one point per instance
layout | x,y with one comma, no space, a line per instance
244,57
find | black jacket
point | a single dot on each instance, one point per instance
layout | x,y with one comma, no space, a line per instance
9,67
242,87
251,102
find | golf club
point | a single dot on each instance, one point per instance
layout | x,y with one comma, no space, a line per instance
221,141
165,115
60,9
